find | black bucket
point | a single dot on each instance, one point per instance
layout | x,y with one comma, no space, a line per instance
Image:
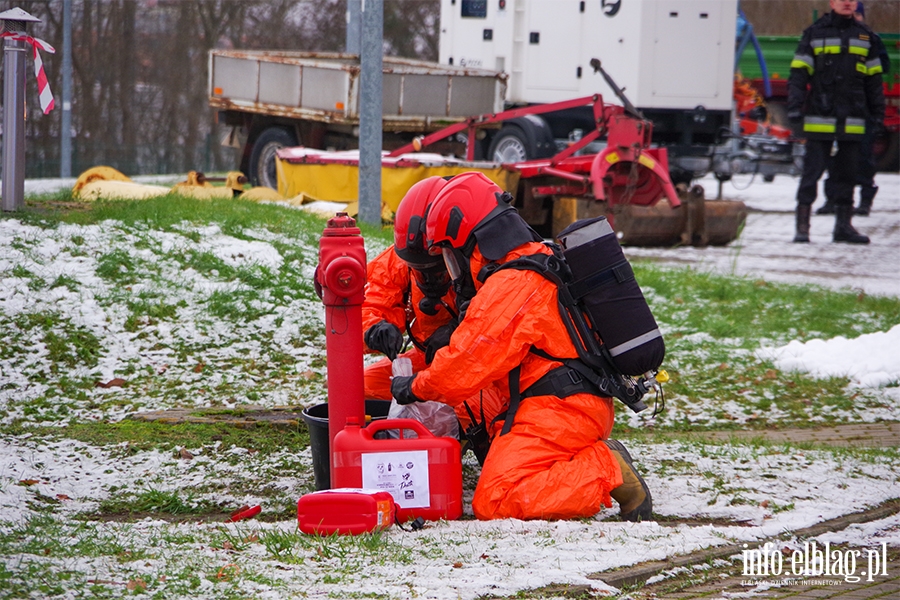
316,419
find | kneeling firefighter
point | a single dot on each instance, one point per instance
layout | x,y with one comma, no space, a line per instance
555,461
425,310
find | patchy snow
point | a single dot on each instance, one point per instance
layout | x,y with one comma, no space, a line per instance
764,491
871,534
764,248
747,493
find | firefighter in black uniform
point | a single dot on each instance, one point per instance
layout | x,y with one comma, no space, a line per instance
835,90
865,174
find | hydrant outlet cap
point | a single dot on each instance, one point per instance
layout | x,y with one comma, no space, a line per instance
345,277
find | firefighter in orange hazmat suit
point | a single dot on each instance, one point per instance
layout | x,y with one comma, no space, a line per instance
425,310
556,461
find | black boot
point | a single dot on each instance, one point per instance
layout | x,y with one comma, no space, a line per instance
843,229
827,208
866,195
803,211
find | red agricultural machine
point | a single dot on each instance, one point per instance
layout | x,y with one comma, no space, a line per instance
627,180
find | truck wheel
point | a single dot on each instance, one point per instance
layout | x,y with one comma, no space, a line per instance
524,138
887,152
509,146
262,158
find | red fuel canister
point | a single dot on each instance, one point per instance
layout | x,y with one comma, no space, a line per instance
423,474
343,511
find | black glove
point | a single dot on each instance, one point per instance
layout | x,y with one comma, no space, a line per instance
385,338
437,340
401,390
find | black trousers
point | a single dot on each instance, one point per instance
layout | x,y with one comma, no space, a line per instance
866,168
842,171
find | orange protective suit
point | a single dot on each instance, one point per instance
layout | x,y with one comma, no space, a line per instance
392,296
553,463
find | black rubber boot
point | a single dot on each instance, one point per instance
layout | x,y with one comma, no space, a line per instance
803,212
827,208
866,195
633,496
843,229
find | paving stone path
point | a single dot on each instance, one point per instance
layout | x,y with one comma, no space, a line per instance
285,417
875,435
727,581
872,435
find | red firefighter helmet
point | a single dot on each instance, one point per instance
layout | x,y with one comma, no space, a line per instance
409,222
471,210
462,205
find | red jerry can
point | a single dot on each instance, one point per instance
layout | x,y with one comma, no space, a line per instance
345,511
423,474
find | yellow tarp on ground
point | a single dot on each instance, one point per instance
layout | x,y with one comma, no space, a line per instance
121,190
108,183
338,181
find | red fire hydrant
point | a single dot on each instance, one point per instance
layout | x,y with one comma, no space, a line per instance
340,279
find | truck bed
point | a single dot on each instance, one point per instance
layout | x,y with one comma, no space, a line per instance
324,87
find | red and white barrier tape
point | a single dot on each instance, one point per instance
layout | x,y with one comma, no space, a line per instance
44,92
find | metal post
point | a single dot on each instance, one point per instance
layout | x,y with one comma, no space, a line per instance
65,127
351,44
370,111
13,185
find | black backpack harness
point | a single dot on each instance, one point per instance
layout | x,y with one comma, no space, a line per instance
593,371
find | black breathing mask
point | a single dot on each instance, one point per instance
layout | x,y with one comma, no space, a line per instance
434,282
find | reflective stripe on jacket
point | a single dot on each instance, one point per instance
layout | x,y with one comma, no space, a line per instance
836,78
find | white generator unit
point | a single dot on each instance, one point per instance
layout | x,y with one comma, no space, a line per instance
665,53
673,58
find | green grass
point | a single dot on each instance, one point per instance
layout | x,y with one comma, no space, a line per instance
136,436
167,212
172,302
753,310
155,501
118,267
712,324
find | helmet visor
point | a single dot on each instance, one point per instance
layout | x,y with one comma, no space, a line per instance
451,263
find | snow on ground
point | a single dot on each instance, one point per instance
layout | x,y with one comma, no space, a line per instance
876,362
760,491
763,491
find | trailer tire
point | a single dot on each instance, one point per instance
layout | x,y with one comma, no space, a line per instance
525,138
262,158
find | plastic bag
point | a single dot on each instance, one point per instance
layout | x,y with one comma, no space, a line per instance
439,418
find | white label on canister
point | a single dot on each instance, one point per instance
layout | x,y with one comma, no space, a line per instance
403,474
